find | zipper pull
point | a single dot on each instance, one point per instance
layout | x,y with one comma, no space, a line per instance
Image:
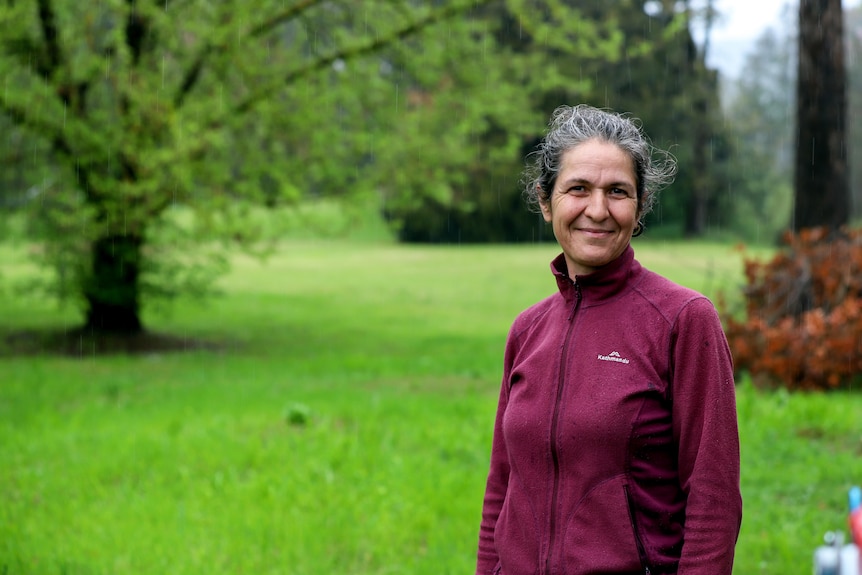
577,299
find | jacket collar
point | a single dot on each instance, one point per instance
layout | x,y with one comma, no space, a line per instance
602,284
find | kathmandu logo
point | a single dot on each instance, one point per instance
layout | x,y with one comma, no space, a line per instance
613,356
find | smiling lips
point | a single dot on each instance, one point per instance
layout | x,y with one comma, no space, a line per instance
594,232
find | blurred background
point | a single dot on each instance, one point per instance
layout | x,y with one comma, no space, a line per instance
420,112
318,203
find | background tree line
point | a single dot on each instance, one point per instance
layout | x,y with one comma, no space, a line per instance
136,132
761,106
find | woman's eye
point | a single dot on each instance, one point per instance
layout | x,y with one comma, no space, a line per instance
619,192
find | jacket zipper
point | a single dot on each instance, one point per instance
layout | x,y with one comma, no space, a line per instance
555,494
638,542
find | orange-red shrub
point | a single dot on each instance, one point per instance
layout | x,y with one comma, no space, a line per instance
803,326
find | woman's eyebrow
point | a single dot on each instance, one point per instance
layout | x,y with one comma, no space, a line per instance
577,180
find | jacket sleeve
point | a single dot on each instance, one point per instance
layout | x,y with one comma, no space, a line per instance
705,426
498,477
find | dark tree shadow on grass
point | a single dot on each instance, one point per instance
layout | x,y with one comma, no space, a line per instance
83,342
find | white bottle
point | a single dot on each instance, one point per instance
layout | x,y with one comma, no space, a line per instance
827,558
850,560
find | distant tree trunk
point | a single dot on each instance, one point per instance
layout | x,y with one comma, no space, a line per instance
822,193
696,212
113,292
853,21
703,85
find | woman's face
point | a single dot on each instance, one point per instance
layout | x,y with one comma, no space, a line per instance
593,206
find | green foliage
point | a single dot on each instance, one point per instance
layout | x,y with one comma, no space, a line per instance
660,78
187,463
608,54
761,116
471,109
761,113
133,108
118,115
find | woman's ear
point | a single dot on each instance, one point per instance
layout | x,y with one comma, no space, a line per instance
544,204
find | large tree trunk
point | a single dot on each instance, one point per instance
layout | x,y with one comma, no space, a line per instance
822,193
703,84
112,294
696,210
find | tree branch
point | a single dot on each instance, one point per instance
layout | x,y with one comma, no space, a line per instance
357,51
19,117
58,141
192,75
50,58
136,31
54,56
289,14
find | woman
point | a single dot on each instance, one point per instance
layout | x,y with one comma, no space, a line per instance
615,444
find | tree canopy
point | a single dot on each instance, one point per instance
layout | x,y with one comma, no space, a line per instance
142,135
134,107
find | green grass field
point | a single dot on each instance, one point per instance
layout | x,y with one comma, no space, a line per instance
342,425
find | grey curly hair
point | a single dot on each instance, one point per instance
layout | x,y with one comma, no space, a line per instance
571,126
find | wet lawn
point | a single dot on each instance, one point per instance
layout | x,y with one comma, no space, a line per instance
334,416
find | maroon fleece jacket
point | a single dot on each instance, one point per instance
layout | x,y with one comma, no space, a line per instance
615,445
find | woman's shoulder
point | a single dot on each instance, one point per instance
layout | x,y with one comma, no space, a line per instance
536,312
670,297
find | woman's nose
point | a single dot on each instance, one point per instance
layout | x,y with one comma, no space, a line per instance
597,205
